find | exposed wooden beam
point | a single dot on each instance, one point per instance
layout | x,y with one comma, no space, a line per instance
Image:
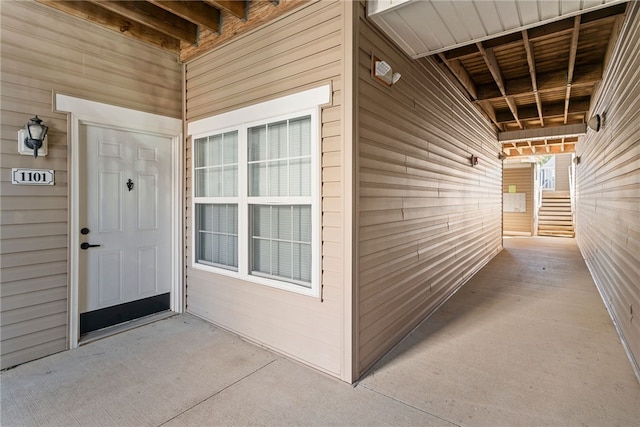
494,68
532,73
114,21
534,150
490,112
552,132
573,50
458,70
152,16
556,109
238,8
585,75
198,12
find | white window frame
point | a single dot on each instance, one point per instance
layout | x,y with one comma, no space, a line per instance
305,103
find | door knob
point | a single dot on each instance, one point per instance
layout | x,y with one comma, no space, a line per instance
86,245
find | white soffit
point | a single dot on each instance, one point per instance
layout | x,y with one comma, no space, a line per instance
426,27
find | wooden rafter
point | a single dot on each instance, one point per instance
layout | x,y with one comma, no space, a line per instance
494,68
585,76
197,12
238,8
462,75
114,21
572,62
155,17
532,73
578,105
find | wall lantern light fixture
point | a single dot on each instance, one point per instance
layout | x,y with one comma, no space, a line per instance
31,139
474,160
595,122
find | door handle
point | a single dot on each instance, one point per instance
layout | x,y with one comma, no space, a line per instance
86,245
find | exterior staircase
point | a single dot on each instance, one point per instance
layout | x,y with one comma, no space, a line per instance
555,217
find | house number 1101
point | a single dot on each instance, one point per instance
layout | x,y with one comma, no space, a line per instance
31,176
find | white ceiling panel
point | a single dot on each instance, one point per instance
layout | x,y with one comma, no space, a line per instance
425,27
488,14
509,15
528,12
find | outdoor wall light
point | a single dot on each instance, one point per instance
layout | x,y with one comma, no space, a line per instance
595,122
32,139
576,160
474,161
383,72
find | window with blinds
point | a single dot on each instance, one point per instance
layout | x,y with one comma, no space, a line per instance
254,201
279,166
216,196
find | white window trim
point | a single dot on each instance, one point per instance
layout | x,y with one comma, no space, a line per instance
300,104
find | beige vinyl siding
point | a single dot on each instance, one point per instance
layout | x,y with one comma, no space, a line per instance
518,223
563,161
299,51
64,54
427,220
608,187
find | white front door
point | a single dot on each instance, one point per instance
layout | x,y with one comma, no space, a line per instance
125,220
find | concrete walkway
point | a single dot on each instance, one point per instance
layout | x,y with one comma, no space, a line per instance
527,342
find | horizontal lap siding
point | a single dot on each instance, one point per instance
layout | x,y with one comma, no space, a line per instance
297,52
563,161
43,51
522,178
426,219
608,187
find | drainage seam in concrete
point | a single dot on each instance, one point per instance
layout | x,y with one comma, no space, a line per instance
409,405
217,393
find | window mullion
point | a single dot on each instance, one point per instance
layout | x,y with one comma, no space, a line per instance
243,207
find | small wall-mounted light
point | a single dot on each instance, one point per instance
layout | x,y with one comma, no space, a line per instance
576,160
32,139
595,122
474,160
502,156
382,71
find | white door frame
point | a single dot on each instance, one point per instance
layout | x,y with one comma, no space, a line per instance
85,112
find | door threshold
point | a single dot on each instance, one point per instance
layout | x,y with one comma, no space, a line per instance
124,326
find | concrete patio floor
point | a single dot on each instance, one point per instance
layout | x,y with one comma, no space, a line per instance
526,342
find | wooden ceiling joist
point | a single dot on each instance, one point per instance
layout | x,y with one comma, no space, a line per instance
106,18
585,75
155,17
462,75
238,8
573,50
494,68
532,73
199,13
557,109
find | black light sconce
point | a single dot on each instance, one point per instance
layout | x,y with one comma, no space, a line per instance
576,160
474,160
501,156
31,139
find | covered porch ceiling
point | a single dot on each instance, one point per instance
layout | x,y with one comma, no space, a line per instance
188,28
530,66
